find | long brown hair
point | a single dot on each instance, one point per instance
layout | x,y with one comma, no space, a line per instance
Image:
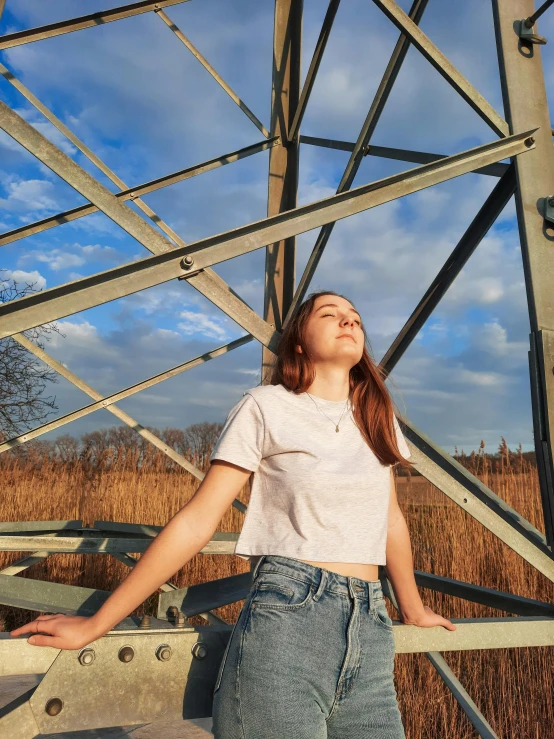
373,406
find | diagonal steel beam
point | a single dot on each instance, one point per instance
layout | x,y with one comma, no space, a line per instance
210,284
465,701
485,596
208,67
10,77
92,20
49,154
127,279
404,155
475,233
133,192
478,501
377,106
105,402
112,408
313,70
443,66
23,564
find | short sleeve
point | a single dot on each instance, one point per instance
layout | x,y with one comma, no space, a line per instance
401,441
242,436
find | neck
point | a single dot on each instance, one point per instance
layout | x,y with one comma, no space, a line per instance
334,387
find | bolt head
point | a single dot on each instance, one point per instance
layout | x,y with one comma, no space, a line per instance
126,654
199,650
551,201
86,656
163,652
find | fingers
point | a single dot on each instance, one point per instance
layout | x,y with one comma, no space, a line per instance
39,624
39,640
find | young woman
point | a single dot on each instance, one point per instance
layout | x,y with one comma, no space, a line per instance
311,655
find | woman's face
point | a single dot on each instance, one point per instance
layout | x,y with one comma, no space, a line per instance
333,332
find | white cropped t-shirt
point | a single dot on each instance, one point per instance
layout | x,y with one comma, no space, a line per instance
316,494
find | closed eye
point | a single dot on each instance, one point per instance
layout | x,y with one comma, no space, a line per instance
333,315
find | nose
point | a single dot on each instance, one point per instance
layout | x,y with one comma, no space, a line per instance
347,320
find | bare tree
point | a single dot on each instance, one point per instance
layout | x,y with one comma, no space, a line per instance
23,377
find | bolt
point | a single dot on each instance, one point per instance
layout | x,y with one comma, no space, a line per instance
145,622
126,654
163,652
86,656
53,706
180,620
199,650
551,201
187,262
529,141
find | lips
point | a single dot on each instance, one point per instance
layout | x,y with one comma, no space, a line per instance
346,336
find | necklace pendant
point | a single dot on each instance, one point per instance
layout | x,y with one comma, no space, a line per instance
337,429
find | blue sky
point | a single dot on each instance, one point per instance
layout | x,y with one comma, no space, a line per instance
137,97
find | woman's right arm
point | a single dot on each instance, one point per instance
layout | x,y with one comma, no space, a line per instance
183,537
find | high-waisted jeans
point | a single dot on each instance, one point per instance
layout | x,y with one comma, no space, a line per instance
311,656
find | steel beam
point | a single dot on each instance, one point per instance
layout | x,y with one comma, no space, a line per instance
478,501
91,156
525,103
222,542
57,302
23,564
208,67
314,67
84,21
443,66
403,155
108,400
377,106
280,255
465,701
476,232
485,596
134,192
112,408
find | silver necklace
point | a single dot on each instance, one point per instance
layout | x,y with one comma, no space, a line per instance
336,425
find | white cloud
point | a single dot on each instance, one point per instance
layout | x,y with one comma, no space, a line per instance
27,195
198,323
22,277
73,255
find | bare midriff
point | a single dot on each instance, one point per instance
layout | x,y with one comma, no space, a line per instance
354,569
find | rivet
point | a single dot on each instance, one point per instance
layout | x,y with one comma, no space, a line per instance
53,706
126,654
199,650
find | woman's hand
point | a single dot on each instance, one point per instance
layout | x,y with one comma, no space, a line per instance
59,631
428,618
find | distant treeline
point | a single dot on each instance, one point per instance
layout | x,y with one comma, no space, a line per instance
125,449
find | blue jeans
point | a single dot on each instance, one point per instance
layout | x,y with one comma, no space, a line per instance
311,656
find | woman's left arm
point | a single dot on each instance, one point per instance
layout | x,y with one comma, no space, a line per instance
400,570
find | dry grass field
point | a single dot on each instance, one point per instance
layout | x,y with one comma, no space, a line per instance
513,688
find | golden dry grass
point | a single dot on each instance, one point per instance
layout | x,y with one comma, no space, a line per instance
512,687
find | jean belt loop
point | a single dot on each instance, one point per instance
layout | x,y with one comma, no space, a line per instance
321,587
257,567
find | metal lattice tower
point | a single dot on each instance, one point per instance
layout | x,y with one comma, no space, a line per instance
65,700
